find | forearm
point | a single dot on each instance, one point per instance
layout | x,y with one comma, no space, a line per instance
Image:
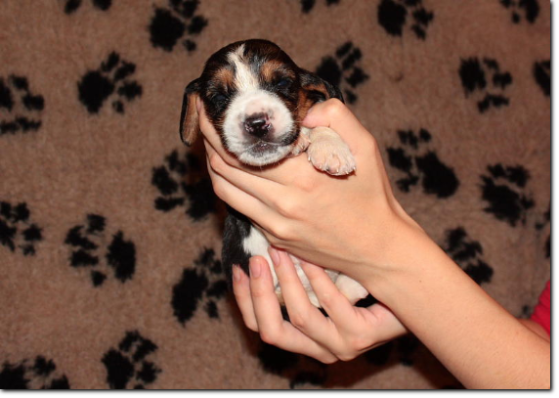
482,344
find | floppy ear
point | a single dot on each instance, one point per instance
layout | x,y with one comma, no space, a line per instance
189,127
318,89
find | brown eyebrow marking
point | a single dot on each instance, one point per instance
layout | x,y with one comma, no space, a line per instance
271,66
225,77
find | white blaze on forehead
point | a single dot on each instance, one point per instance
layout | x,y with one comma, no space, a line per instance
249,99
245,80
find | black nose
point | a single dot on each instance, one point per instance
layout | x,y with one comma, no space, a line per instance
257,125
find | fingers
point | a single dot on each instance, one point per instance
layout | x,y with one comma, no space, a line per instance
243,202
283,172
271,326
302,313
212,137
334,114
250,183
213,142
389,327
358,330
241,290
336,305
265,302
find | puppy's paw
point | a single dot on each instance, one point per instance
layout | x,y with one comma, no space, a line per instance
301,144
331,156
351,288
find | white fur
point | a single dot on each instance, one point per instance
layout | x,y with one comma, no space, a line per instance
244,78
251,99
257,245
327,151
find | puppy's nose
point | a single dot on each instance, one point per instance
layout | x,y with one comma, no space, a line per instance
257,125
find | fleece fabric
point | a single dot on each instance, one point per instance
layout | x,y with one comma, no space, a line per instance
110,233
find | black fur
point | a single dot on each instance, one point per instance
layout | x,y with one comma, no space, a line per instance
237,228
216,99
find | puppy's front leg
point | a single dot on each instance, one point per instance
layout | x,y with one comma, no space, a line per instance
328,152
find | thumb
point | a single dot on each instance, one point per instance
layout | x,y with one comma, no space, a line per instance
335,115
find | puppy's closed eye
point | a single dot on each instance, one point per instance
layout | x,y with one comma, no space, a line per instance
283,82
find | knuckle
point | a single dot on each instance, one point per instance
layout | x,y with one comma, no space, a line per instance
251,325
346,357
219,190
358,343
268,336
328,360
326,300
298,320
307,182
216,162
282,231
289,208
335,107
257,291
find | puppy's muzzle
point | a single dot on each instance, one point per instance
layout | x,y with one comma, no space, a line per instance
258,125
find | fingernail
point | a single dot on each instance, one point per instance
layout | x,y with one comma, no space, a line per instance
275,256
236,273
255,268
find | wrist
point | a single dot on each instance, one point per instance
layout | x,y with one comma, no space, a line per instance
408,257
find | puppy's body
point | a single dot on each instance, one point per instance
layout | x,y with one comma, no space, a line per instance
256,97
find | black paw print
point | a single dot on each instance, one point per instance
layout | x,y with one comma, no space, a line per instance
169,25
542,75
401,350
546,224
202,284
297,369
183,181
18,114
16,230
89,239
392,16
308,5
127,366
473,75
39,373
342,70
113,77
502,189
436,177
466,253
72,5
530,9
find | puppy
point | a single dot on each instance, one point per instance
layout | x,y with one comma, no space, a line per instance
256,97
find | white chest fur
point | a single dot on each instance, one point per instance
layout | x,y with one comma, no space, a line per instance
256,245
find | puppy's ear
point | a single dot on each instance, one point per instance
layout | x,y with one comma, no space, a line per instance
318,89
189,126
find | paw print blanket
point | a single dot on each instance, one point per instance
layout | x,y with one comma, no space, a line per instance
110,233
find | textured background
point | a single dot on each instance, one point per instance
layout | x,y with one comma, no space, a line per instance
110,235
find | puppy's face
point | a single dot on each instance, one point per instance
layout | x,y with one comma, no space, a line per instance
255,96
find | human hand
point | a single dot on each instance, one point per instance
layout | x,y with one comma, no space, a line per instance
345,224
346,333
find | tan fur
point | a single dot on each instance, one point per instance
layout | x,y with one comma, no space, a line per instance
190,125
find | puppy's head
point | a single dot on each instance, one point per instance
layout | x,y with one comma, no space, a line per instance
255,96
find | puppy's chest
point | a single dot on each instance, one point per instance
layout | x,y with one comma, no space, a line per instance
256,244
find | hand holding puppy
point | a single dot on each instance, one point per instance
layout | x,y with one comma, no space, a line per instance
347,332
355,225
340,223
